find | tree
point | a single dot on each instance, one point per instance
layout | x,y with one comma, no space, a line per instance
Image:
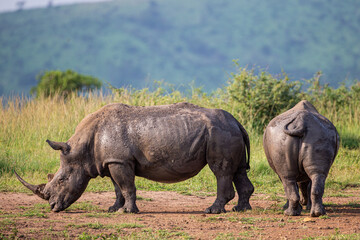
20,5
58,82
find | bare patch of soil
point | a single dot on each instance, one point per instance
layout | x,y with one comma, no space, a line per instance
172,215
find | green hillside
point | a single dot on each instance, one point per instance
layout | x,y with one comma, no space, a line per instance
133,42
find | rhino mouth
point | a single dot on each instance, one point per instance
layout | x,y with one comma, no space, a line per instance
56,207
59,203
52,205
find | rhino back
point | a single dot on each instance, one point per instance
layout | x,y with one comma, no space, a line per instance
166,143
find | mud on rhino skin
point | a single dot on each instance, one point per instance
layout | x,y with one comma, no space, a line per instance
301,145
168,143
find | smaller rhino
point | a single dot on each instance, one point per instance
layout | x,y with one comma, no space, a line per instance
300,145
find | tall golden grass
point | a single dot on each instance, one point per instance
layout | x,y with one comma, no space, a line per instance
26,123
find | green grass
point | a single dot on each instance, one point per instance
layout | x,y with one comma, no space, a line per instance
337,236
85,206
234,217
101,215
98,225
228,236
144,234
36,211
26,124
5,225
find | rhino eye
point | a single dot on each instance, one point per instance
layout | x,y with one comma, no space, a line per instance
61,180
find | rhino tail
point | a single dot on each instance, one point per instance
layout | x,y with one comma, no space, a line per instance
247,144
296,126
337,140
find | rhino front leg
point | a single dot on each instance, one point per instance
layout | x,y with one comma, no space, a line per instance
120,200
292,195
225,192
124,176
317,191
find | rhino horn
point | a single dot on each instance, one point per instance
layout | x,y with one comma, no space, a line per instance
64,147
37,189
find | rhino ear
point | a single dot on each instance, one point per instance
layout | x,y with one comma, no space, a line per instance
50,176
64,147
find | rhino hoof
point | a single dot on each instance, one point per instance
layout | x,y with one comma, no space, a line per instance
215,210
317,212
293,212
129,210
241,208
113,209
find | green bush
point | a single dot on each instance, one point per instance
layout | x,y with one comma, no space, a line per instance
63,83
258,98
326,96
26,123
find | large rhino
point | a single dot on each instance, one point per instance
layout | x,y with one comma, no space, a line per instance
301,145
169,143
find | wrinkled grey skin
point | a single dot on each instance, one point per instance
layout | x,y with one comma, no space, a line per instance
301,146
169,143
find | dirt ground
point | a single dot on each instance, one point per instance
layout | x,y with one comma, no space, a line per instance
165,215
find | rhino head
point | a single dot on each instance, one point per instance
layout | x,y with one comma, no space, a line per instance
66,185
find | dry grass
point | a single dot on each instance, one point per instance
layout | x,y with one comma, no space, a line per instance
27,123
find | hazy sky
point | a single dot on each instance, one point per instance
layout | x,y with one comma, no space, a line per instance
12,5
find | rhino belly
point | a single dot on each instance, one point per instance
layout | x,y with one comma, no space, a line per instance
170,172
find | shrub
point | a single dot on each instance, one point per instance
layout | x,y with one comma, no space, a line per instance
63,83
326,96
257,98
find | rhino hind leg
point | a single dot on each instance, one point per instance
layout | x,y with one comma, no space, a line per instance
244,189
305,189
292,194
225,193
120,200
124,176
305,200
317,191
